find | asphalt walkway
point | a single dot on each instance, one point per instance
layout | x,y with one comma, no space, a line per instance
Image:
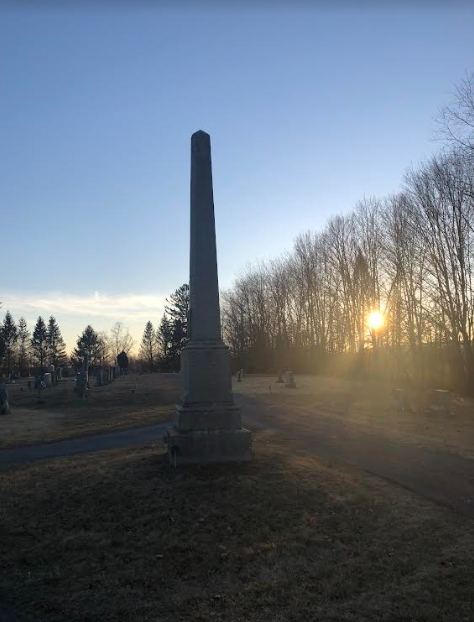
443,477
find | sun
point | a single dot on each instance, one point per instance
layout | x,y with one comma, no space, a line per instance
375,320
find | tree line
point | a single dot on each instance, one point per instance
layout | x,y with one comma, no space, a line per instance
160,347
23,351
409,255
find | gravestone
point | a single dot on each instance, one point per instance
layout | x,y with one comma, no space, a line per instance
4,403
442,402
208,425
82,378
81,383
290,380
48,380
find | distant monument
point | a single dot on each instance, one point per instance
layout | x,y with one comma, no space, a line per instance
208,425
82,377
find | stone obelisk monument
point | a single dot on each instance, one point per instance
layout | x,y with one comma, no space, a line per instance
208,426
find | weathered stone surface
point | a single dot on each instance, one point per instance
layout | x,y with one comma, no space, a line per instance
204,320
224,415
208,425
290,380
206,373
203,446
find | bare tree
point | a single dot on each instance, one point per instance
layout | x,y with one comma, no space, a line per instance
410,255
121,340
455,122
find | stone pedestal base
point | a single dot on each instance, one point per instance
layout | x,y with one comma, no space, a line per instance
217,416
204,446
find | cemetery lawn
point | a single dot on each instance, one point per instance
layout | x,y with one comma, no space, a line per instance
129,402
369,405
119,535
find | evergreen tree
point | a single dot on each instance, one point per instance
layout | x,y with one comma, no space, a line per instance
9,333
178,309
2,347
91,343
164,338
122,360
2,350
179,339
56,345
24,340
39,343
149,345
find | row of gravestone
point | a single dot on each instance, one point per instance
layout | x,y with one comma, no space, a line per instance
440,401
104,375
287,377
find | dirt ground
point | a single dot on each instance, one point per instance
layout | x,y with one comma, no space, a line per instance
119,535
130,401
370,406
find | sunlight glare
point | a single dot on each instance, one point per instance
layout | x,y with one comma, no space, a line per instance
375,320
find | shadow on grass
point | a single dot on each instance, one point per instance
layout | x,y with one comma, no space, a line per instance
121,536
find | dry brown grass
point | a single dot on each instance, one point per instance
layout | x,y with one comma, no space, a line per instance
130,401
121,536
369,405
135,401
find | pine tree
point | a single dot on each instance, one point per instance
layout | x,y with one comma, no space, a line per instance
149,345
2,350
56,345
2,347
122,360
164,337
39,343
178,310
24,340
91,343
9,333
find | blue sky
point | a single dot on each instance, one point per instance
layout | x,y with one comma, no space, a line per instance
309,109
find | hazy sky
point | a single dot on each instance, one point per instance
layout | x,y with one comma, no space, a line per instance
308,110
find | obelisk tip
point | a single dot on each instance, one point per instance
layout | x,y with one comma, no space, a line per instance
200,133
200,143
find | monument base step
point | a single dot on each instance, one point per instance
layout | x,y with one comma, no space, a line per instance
215,416
205,446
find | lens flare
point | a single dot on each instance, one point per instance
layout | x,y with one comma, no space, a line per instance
375,320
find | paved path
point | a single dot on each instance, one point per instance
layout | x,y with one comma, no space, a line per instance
445,478
98,442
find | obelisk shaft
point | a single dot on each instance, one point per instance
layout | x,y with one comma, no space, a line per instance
204,318
208,425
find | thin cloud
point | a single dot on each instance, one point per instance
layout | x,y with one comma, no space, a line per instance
124,307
